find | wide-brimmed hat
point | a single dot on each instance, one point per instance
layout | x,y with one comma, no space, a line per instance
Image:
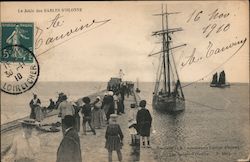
29,122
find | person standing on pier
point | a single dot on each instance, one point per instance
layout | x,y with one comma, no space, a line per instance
77,108
110,104
69,149
115,97
86,115
121,104
51,105
105,105
132,123
144,121
65,108
114,138
34,103
97,114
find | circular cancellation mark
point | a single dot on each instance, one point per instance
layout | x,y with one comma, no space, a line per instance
19,69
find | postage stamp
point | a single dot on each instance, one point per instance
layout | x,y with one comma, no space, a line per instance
19,66
17,34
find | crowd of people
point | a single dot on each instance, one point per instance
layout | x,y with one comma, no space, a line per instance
97,114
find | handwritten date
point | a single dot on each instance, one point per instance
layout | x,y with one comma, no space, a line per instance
212,27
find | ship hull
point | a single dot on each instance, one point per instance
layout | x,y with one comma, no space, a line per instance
169,104
220,85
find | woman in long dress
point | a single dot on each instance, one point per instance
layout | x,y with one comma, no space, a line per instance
96,114
39,113
34,103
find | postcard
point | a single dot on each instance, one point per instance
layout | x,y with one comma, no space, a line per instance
125,81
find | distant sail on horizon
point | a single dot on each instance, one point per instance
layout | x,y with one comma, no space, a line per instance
219,82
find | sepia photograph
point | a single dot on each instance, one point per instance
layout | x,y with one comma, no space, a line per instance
125,81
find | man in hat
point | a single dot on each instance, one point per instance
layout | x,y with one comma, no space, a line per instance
25,147
34,103
65,108
69,149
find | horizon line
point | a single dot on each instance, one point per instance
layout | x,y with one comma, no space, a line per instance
132,81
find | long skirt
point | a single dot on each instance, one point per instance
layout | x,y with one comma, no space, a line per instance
77,123
96,118
102,117
38,113
113,143
106,108
32,113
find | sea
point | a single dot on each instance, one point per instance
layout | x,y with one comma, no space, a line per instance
213,128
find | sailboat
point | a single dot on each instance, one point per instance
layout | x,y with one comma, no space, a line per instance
137,89
168,95
221,82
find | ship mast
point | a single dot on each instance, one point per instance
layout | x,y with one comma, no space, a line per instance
166,39
163,55
167,53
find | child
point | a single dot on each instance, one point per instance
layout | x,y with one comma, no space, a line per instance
86,115
144,122
132,124
114,137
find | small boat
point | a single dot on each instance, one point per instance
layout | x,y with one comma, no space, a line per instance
137,90
168,95
221,82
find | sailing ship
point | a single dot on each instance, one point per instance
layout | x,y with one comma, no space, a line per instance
221,82
168,95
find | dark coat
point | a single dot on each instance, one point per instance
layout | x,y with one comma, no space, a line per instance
144,121
110,101
69,149
86,110
33,107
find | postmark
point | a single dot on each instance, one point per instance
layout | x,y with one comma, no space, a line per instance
19,66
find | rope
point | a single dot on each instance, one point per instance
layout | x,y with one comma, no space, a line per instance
211,107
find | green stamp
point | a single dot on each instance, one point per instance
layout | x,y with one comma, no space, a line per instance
14,36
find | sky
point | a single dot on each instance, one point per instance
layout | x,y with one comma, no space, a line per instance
126,40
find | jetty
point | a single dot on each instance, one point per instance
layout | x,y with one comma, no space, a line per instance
92,146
